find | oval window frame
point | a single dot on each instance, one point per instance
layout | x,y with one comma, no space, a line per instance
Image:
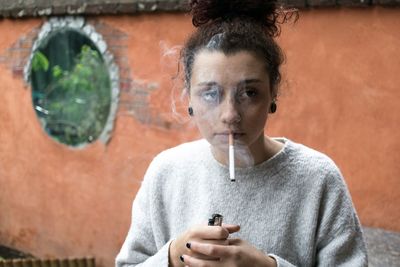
80,25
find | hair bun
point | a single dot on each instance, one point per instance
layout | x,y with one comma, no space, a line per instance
204,11
265,12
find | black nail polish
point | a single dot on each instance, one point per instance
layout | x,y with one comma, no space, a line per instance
181,258
188,245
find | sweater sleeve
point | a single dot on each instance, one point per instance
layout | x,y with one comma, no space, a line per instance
339,235
281,262
140,248
339,240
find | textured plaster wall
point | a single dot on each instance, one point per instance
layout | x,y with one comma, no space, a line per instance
339,96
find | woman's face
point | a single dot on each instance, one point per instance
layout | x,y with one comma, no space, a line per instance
230,94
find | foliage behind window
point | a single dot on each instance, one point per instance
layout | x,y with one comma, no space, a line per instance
71,88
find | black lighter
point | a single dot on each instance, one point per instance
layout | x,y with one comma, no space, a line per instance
215,220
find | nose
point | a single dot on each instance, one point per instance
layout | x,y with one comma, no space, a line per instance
229,112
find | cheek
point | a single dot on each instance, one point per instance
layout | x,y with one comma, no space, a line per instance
257,118
204,118
204,113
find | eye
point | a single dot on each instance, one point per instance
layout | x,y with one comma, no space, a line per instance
248,92
211,95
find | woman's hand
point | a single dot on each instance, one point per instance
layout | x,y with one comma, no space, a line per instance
237,253
202,234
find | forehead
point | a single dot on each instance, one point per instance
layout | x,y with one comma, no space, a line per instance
219,67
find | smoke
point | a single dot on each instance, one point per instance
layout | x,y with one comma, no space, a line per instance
171,66
209,111
243,156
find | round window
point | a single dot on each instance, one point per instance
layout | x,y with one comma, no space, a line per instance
71,88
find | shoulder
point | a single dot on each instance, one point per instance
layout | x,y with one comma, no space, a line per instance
172,169
321,176
179,157
314,166
186,152
188,148
312,159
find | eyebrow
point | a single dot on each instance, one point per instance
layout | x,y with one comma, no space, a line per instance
207,83
247,81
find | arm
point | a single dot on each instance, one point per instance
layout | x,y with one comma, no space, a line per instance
140,248
339,236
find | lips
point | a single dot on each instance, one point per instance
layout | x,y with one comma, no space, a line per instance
236,135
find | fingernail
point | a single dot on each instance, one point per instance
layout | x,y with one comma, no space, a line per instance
181,258
188,245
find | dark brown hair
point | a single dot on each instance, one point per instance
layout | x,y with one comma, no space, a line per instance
231,26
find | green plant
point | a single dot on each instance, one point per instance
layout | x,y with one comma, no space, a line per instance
74,105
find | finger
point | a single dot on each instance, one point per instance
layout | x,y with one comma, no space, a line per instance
234,241
224,242
194,262
200,256
232,228
211,250
209,232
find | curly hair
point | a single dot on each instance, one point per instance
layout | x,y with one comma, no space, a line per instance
233,25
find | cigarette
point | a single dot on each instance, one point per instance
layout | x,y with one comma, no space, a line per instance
231,158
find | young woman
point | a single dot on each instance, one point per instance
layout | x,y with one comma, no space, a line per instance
289,205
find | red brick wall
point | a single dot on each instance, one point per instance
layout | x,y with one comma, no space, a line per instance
339,96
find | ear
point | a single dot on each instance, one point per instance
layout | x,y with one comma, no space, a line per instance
186,93
185,97
274,93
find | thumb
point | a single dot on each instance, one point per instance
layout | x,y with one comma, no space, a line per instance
232,228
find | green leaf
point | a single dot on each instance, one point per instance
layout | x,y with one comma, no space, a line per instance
40,62
57,71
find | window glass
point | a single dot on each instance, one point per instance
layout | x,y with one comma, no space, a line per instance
71,88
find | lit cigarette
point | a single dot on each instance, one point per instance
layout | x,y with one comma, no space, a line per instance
231,158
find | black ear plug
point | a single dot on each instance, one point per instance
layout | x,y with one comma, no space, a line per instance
273,107
190,111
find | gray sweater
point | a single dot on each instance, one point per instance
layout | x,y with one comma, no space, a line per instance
294,206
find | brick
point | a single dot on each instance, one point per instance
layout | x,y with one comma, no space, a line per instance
17,9
387,2
30,3
93,9
8,5
110,8
293,3
18,72
321,3
353,3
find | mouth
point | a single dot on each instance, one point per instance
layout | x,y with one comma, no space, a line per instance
236,135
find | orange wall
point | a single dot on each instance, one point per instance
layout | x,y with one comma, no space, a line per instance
339,96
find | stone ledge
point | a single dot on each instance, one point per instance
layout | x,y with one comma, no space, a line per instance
38,8
383,247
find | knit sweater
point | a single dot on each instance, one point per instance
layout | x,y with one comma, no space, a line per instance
294,207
